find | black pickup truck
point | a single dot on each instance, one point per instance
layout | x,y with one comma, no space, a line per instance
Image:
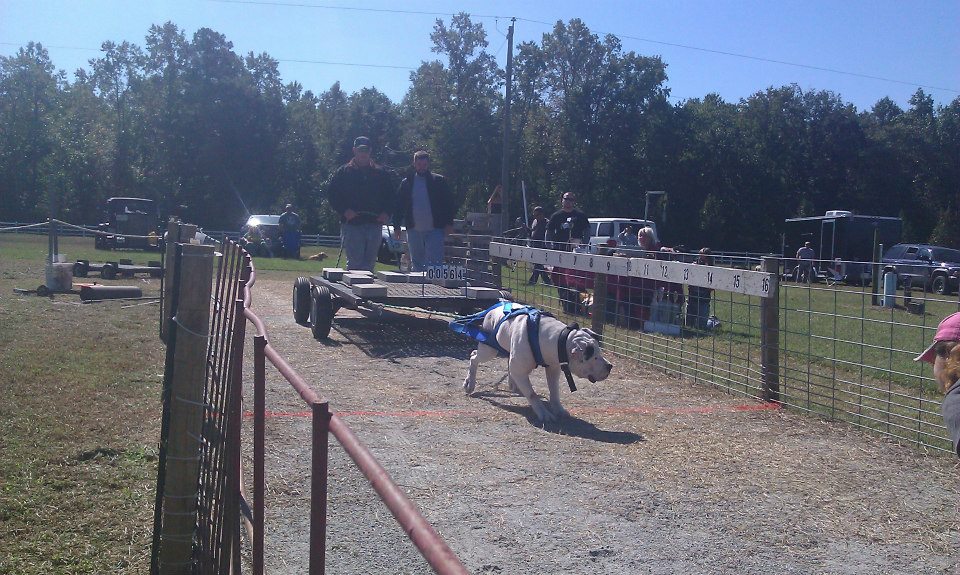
933,267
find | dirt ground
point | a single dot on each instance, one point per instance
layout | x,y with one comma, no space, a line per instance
651,474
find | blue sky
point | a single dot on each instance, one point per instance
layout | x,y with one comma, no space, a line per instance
883,48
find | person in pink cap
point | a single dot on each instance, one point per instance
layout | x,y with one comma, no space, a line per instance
944,355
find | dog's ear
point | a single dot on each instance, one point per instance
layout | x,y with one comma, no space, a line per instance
576,352
592,333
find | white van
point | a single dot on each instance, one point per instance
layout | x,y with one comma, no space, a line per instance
602,230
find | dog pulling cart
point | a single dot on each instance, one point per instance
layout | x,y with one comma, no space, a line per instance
317,299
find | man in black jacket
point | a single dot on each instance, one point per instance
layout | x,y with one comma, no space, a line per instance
425,205
361,192
568,227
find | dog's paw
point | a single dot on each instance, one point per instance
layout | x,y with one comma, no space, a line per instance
469,385
543,414
559,411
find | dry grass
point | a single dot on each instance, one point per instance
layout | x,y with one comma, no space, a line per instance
80,412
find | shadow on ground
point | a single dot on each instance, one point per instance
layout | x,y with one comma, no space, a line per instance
572,426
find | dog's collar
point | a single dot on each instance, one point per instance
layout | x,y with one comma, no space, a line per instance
562,353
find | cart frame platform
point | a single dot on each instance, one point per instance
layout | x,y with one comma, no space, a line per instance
316,300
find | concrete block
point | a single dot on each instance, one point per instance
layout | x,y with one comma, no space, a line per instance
370,290
351,278
333,274
483,293
393,277
417,277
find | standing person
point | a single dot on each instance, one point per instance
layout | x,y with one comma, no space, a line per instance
805,262
944,355
290,232
647,239
425,204
538,231
361,192
628,237
568,226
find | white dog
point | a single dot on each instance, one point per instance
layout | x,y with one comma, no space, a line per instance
582,350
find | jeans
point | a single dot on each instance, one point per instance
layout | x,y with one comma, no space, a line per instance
539,272
426,249
361,243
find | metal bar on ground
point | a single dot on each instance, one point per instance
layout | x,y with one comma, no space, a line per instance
259,435
318,487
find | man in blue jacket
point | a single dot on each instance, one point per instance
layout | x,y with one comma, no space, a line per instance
424,203
361,192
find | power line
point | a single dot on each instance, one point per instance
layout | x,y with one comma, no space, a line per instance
351,8
355,64
627,36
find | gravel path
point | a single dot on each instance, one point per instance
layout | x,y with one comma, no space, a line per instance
651,474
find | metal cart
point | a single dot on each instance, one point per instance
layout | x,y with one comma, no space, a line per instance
317,299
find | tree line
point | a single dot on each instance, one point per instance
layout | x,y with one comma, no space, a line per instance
189,122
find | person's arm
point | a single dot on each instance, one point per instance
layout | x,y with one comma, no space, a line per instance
446,201
388,200
400,209
551,229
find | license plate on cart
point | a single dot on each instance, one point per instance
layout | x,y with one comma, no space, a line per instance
446,272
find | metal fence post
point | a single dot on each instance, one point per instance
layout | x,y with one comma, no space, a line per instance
770,334
259,434
318,487
599,307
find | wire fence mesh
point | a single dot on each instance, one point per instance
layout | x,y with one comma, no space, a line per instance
840,353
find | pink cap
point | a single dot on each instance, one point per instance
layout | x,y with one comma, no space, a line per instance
948,330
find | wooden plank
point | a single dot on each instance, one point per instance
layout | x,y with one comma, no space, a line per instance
760,284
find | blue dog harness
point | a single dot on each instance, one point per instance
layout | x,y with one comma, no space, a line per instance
471,326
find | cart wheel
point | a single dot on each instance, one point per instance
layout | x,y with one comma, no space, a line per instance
81,268
301,300
321,313
109,271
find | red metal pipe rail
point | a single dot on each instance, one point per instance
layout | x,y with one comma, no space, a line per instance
431,546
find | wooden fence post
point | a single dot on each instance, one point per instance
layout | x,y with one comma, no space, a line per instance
770,334
176,233
192,322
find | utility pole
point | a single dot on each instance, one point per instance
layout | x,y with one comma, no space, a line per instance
505,157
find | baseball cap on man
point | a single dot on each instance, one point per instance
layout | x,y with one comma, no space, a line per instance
361,142
948,330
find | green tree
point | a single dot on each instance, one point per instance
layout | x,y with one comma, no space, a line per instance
29,99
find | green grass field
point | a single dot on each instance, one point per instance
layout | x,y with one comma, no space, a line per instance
80,414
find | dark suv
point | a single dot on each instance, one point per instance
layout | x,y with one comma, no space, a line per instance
933,267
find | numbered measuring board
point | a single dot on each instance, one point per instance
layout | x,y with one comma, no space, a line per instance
761,284
446,272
